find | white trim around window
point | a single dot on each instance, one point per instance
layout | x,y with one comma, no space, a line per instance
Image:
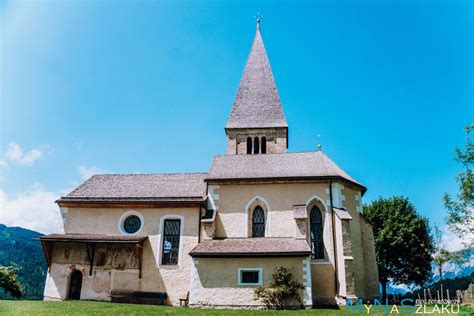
124,216
260,276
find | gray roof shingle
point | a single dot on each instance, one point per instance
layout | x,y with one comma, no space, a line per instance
166,186
251,247
257,103
311,164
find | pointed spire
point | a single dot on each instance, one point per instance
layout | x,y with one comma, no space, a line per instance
257,103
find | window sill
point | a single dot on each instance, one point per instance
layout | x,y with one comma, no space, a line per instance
168,266
320,261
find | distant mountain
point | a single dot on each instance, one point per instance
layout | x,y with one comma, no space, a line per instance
455,270
18,249
454,274
395,289
452,285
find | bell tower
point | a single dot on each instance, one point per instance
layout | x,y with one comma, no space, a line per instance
257,124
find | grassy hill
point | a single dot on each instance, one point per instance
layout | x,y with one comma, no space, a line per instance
18,249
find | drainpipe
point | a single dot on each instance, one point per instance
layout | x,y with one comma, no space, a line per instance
336,274
199,223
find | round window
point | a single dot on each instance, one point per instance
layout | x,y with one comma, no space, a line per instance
132,224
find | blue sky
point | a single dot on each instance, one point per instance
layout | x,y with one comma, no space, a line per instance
147,86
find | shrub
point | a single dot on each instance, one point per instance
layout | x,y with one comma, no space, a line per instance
9,282
282,292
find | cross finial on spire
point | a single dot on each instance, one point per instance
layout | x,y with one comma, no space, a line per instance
258,18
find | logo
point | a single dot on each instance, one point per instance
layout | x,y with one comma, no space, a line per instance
407,307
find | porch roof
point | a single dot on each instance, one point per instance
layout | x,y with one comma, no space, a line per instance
96,238
251,247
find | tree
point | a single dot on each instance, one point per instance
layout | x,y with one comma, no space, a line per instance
9,282
403,243
442,256
281,291
460,208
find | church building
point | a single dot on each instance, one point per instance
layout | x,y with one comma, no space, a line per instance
208,239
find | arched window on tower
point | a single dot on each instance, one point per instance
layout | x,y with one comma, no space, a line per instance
249,145
256,146
264,145
258,222
316,231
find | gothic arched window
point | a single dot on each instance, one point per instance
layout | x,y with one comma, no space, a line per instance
249,145
256,146
316,231
264,145
258,222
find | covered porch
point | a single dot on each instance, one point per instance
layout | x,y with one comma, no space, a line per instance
91,266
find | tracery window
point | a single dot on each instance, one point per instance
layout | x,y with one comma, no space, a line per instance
132,224
316,231
171,234
258,222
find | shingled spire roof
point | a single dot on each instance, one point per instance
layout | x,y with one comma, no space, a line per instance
257,104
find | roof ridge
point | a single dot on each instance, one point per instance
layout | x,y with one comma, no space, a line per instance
147,174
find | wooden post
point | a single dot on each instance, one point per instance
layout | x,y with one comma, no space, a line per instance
424,294
139,253
429,293
90,249
437,295
447,294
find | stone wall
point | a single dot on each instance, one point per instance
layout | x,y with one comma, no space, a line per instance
235,201
115,266
356,260
370,263
276,139
363,250
214,281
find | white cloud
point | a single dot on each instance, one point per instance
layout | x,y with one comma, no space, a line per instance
452,242
33,209
16,153
87,172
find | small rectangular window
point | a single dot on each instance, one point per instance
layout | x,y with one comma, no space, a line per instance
250,276
170,248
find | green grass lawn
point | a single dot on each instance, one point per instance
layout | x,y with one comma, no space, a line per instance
103,308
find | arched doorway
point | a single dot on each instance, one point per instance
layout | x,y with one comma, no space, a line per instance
75,285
